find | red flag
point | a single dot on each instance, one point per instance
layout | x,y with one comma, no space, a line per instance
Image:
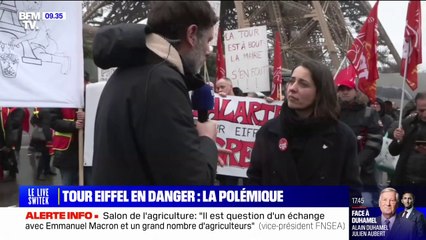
363,55
346,75
220,59
412,48
277,80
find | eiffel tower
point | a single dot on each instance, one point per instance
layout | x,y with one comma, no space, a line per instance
314,30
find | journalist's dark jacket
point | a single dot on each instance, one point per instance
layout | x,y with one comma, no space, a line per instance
316,153
144,127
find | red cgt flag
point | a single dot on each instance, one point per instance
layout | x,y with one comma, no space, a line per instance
276,86
347,74
412,48
220,59
363,55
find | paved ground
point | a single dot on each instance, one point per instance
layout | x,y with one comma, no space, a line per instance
9,191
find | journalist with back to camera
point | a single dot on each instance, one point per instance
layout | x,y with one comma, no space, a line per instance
144,127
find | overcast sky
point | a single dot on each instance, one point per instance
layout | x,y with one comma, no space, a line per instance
393,15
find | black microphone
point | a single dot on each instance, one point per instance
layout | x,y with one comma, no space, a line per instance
203,101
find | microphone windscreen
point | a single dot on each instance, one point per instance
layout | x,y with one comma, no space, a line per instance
203,98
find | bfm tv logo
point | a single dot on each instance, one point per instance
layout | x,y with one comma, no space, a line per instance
30,19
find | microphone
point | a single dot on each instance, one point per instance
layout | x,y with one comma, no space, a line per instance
203,101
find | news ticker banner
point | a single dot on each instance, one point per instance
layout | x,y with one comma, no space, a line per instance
213,196
191,212
179,212
179,223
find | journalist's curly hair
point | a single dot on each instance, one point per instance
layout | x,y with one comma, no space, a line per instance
171,19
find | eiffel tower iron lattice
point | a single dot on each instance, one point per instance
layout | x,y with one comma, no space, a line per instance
315,30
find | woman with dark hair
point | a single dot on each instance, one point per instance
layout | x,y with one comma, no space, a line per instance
306,144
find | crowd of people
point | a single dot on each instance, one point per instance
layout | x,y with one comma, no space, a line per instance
54,136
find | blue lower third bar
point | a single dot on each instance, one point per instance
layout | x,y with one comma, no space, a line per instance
184,196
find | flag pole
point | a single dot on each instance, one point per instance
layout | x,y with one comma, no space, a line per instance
340,67
403,86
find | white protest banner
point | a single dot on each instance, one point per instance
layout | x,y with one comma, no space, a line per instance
246,54
239,119
41,54
216,8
